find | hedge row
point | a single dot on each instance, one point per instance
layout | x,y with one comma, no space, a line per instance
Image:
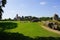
8,25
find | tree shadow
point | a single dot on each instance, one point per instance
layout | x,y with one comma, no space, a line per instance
47,38
19,36
13,36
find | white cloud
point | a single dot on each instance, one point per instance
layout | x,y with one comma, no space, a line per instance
42,3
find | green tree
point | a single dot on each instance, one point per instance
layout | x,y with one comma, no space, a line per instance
2,4
45,18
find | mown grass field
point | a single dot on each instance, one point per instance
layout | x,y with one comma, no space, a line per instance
32,29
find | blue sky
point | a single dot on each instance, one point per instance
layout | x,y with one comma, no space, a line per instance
38,8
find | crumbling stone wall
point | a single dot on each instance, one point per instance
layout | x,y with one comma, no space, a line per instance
54,25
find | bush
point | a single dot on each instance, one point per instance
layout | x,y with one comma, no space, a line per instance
7,25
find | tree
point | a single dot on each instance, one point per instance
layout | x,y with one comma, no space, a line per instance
28,18
45,18
2,4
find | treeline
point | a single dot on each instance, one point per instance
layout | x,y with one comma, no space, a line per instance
29,18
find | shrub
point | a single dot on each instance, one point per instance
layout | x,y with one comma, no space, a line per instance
7,25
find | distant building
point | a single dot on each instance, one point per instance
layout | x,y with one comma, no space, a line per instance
17,17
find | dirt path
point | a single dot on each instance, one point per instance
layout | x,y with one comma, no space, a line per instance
52,30
49,29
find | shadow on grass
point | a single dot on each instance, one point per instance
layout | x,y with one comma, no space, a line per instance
13,36
47,38
18,36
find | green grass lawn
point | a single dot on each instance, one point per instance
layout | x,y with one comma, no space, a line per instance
32,30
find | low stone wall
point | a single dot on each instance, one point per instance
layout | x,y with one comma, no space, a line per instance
52,25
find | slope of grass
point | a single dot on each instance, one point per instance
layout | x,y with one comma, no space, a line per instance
32,29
